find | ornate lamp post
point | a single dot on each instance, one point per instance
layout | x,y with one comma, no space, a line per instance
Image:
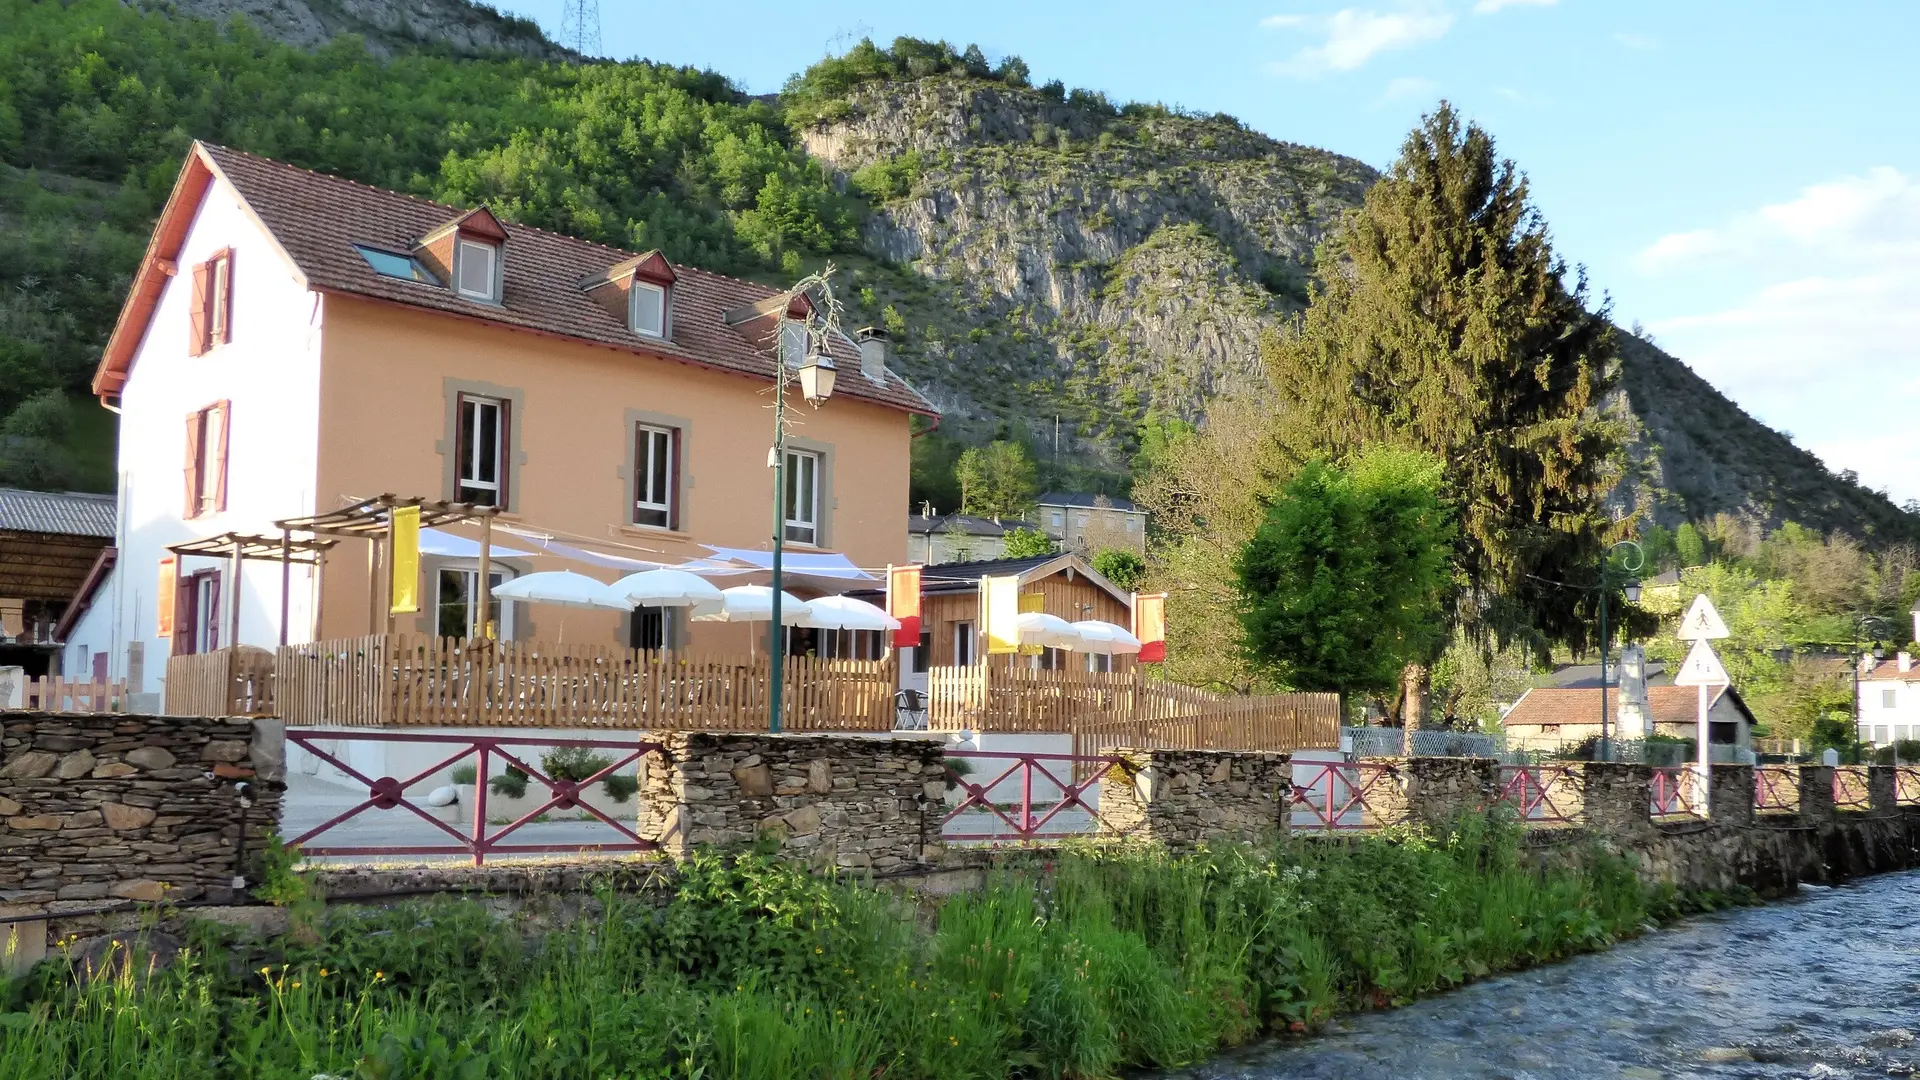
1627,581
817,374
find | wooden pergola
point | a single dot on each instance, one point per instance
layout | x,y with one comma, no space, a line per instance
372,520
238,547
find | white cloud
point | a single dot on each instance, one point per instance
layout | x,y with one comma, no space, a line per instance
1823,336
1488,7
1353,36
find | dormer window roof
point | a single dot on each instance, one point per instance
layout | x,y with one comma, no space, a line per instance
469,254
638,292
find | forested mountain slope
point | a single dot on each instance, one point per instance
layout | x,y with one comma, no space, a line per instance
1056,269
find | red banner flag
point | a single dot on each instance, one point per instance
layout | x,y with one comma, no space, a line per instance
1150,626
903,603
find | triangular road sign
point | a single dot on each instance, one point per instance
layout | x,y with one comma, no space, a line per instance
1702,622
1701,668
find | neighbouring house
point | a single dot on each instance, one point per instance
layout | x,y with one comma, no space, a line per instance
1090,523
1062,585
293,342
55,550
950,538
1547,718
1889,695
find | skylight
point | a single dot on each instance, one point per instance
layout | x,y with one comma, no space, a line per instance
390,264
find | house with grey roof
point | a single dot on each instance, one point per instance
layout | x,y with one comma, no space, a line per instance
55,550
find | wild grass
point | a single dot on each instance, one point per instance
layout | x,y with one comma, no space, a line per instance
1117,958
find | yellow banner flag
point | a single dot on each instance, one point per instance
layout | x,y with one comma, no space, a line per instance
1000,613
406,560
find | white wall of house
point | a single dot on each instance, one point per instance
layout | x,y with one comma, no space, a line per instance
1890,709
270,371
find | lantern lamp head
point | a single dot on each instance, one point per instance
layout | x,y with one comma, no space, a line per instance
817,374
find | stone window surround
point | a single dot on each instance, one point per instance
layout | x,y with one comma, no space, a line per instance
447,446
682,466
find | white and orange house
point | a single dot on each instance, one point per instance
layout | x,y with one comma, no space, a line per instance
295,341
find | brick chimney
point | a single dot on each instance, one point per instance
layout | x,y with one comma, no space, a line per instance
873,343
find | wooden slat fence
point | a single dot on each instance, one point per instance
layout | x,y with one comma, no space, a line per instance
1107,709
235,681
54,694
406,679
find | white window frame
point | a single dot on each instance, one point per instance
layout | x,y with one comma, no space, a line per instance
646,500
469,571
800,516
655,295
464,250
469,449
208,616
219,315
964,652
1889,698
1099,663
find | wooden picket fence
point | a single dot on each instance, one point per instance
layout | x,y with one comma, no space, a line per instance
407,679
235,681
54,694
1107,709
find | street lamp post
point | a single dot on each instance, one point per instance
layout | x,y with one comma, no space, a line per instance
817,373
1630,587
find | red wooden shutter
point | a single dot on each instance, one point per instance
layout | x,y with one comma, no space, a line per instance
185,619
218,419
223,333
211,616
505,450
196,423
197,313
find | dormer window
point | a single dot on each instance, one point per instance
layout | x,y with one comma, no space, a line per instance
649,309
476,271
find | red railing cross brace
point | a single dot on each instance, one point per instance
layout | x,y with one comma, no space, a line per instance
388,793
1028,827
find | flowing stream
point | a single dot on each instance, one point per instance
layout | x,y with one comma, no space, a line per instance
1825,985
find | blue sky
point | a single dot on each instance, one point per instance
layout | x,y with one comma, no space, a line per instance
1741,178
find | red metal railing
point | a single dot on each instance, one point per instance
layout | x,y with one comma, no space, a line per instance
1906,785
1776,788
1675,792
1850,789
1530,790
1049,817
390,793
1342,796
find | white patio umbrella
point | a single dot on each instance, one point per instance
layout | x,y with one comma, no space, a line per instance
671,588
1050,631
754,603
846,613
1105,639
563,588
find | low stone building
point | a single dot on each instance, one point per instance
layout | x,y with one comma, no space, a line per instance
1552,717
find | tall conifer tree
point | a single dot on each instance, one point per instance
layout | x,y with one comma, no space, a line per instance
1446,324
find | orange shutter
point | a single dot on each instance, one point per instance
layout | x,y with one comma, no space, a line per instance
197,313
218,419
223,333
903,603
164,597
196,422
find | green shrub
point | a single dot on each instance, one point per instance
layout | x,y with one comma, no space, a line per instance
463,774
512,783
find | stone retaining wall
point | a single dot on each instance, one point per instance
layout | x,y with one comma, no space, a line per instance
108,807
833,799
1182,797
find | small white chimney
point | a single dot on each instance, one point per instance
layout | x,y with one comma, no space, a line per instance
873,352
1906,662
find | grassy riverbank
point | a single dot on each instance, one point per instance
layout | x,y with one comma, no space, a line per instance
1118,958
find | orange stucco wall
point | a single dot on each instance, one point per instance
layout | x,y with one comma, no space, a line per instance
383,428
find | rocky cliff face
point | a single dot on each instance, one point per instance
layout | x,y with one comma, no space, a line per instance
387,25
1102,265
1073,267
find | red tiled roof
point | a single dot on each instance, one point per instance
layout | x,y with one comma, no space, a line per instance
318,218
1553,705
1890,669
